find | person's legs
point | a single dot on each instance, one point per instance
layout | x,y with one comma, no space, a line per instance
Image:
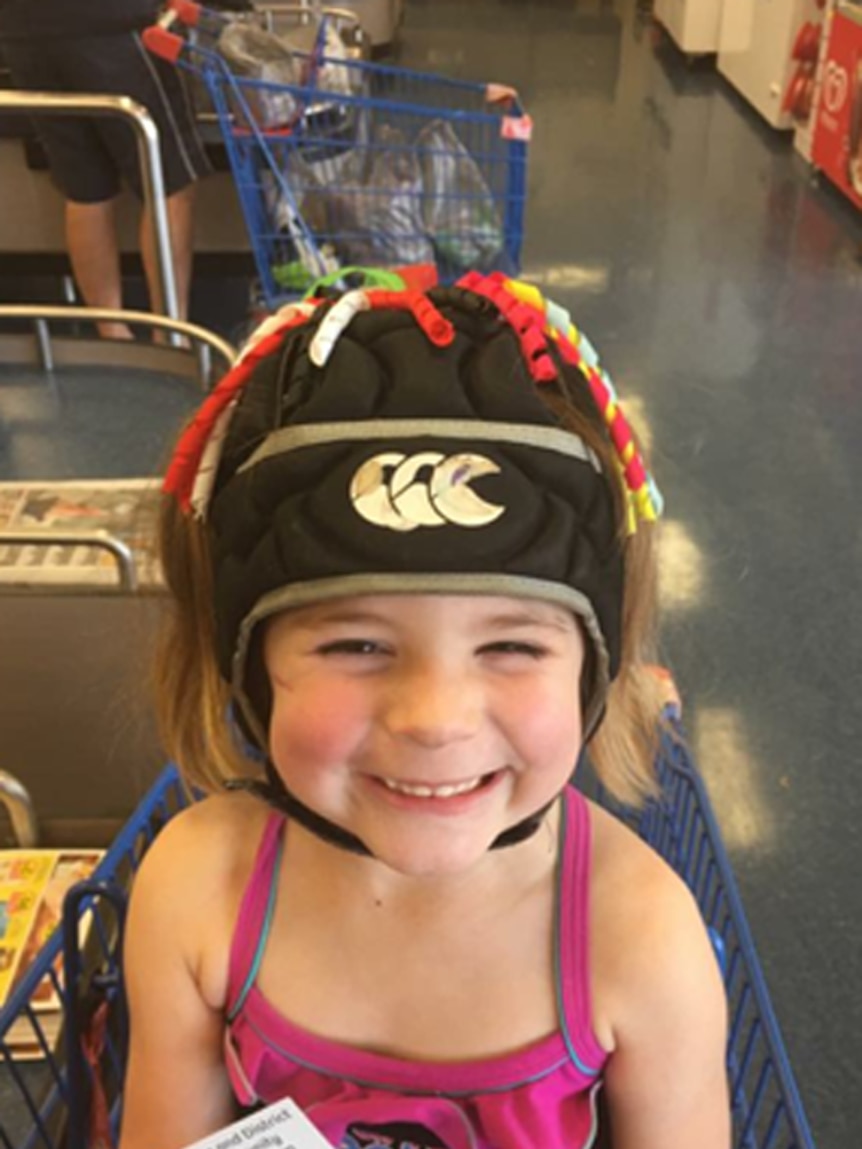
130,69
92,244
180,209
83,171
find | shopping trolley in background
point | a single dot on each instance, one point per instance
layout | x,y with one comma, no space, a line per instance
72,1097
342,162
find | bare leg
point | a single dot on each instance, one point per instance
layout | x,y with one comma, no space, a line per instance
180,208
92,244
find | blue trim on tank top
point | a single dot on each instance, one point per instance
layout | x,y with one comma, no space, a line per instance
263,936
371,1083
566,830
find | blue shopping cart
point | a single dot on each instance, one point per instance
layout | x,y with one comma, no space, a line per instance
71,1098
340,162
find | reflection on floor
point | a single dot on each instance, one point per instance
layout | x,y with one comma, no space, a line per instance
725,293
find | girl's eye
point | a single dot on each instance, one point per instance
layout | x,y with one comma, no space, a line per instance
351,646
525,649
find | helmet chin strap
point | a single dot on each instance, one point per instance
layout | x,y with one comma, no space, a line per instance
274,792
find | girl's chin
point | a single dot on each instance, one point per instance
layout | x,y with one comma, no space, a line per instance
440,851
412,861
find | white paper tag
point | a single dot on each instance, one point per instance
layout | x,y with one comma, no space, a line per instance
279,1126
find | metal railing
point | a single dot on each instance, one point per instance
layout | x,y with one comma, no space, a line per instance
19,805
118,107
127,573
43,314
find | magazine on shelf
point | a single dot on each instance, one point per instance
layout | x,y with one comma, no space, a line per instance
126,509
33,884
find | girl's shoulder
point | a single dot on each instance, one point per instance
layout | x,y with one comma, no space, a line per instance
191,881
645,927
207,839
624,866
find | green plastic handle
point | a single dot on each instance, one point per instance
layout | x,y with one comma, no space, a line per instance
372,277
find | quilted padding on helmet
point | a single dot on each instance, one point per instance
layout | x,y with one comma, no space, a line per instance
401,466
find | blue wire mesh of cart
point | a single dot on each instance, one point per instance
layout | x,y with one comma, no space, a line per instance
362,164
68,1092
74,1092
681,826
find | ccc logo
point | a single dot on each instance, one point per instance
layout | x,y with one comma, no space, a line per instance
403,492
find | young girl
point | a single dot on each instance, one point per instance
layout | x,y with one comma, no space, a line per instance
408,540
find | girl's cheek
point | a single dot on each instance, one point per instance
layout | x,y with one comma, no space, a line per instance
544,719
316,728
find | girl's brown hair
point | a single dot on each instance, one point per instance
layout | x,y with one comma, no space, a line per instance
193,700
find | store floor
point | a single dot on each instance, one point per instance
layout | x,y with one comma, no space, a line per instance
725,293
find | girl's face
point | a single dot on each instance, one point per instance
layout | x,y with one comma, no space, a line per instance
425,724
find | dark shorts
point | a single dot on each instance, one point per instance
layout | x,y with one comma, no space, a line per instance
90,158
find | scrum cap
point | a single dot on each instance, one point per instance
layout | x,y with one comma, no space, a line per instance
398,444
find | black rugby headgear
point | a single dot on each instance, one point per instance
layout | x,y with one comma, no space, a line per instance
405,449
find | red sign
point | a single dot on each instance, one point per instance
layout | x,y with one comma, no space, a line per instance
837,148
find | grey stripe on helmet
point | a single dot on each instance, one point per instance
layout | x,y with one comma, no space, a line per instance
518,586
521,434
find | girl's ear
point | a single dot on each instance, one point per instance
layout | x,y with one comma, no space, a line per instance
258,690
242,736
589,679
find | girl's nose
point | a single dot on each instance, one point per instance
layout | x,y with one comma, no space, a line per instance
433,707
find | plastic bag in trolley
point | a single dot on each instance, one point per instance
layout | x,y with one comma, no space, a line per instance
279,64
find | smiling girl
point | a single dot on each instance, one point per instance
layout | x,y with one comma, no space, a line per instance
409,543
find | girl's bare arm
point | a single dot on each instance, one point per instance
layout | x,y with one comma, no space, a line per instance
666,1081
176,1088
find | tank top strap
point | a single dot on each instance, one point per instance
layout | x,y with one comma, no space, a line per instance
255,915
573,936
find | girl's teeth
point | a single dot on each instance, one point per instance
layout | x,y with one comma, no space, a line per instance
432,791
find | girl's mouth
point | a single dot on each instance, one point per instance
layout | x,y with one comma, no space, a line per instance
441,791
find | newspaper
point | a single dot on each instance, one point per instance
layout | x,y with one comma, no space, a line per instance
126,509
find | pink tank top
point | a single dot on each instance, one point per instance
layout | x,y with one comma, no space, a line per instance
542,1097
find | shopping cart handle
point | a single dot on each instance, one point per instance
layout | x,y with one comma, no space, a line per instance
186,11
501,94
167,45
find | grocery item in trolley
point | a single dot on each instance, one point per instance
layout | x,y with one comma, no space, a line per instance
457,205
375,213
280,64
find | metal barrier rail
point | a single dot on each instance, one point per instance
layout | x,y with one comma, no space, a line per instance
122,554
19,805
43,314
118,107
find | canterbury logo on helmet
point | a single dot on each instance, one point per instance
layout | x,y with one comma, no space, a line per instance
403,492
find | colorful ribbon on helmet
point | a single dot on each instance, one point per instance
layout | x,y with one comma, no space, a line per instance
535,320
438,329
192,470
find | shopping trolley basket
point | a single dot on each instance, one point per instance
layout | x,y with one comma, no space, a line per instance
68,1096
72,1098
681,827
354,163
